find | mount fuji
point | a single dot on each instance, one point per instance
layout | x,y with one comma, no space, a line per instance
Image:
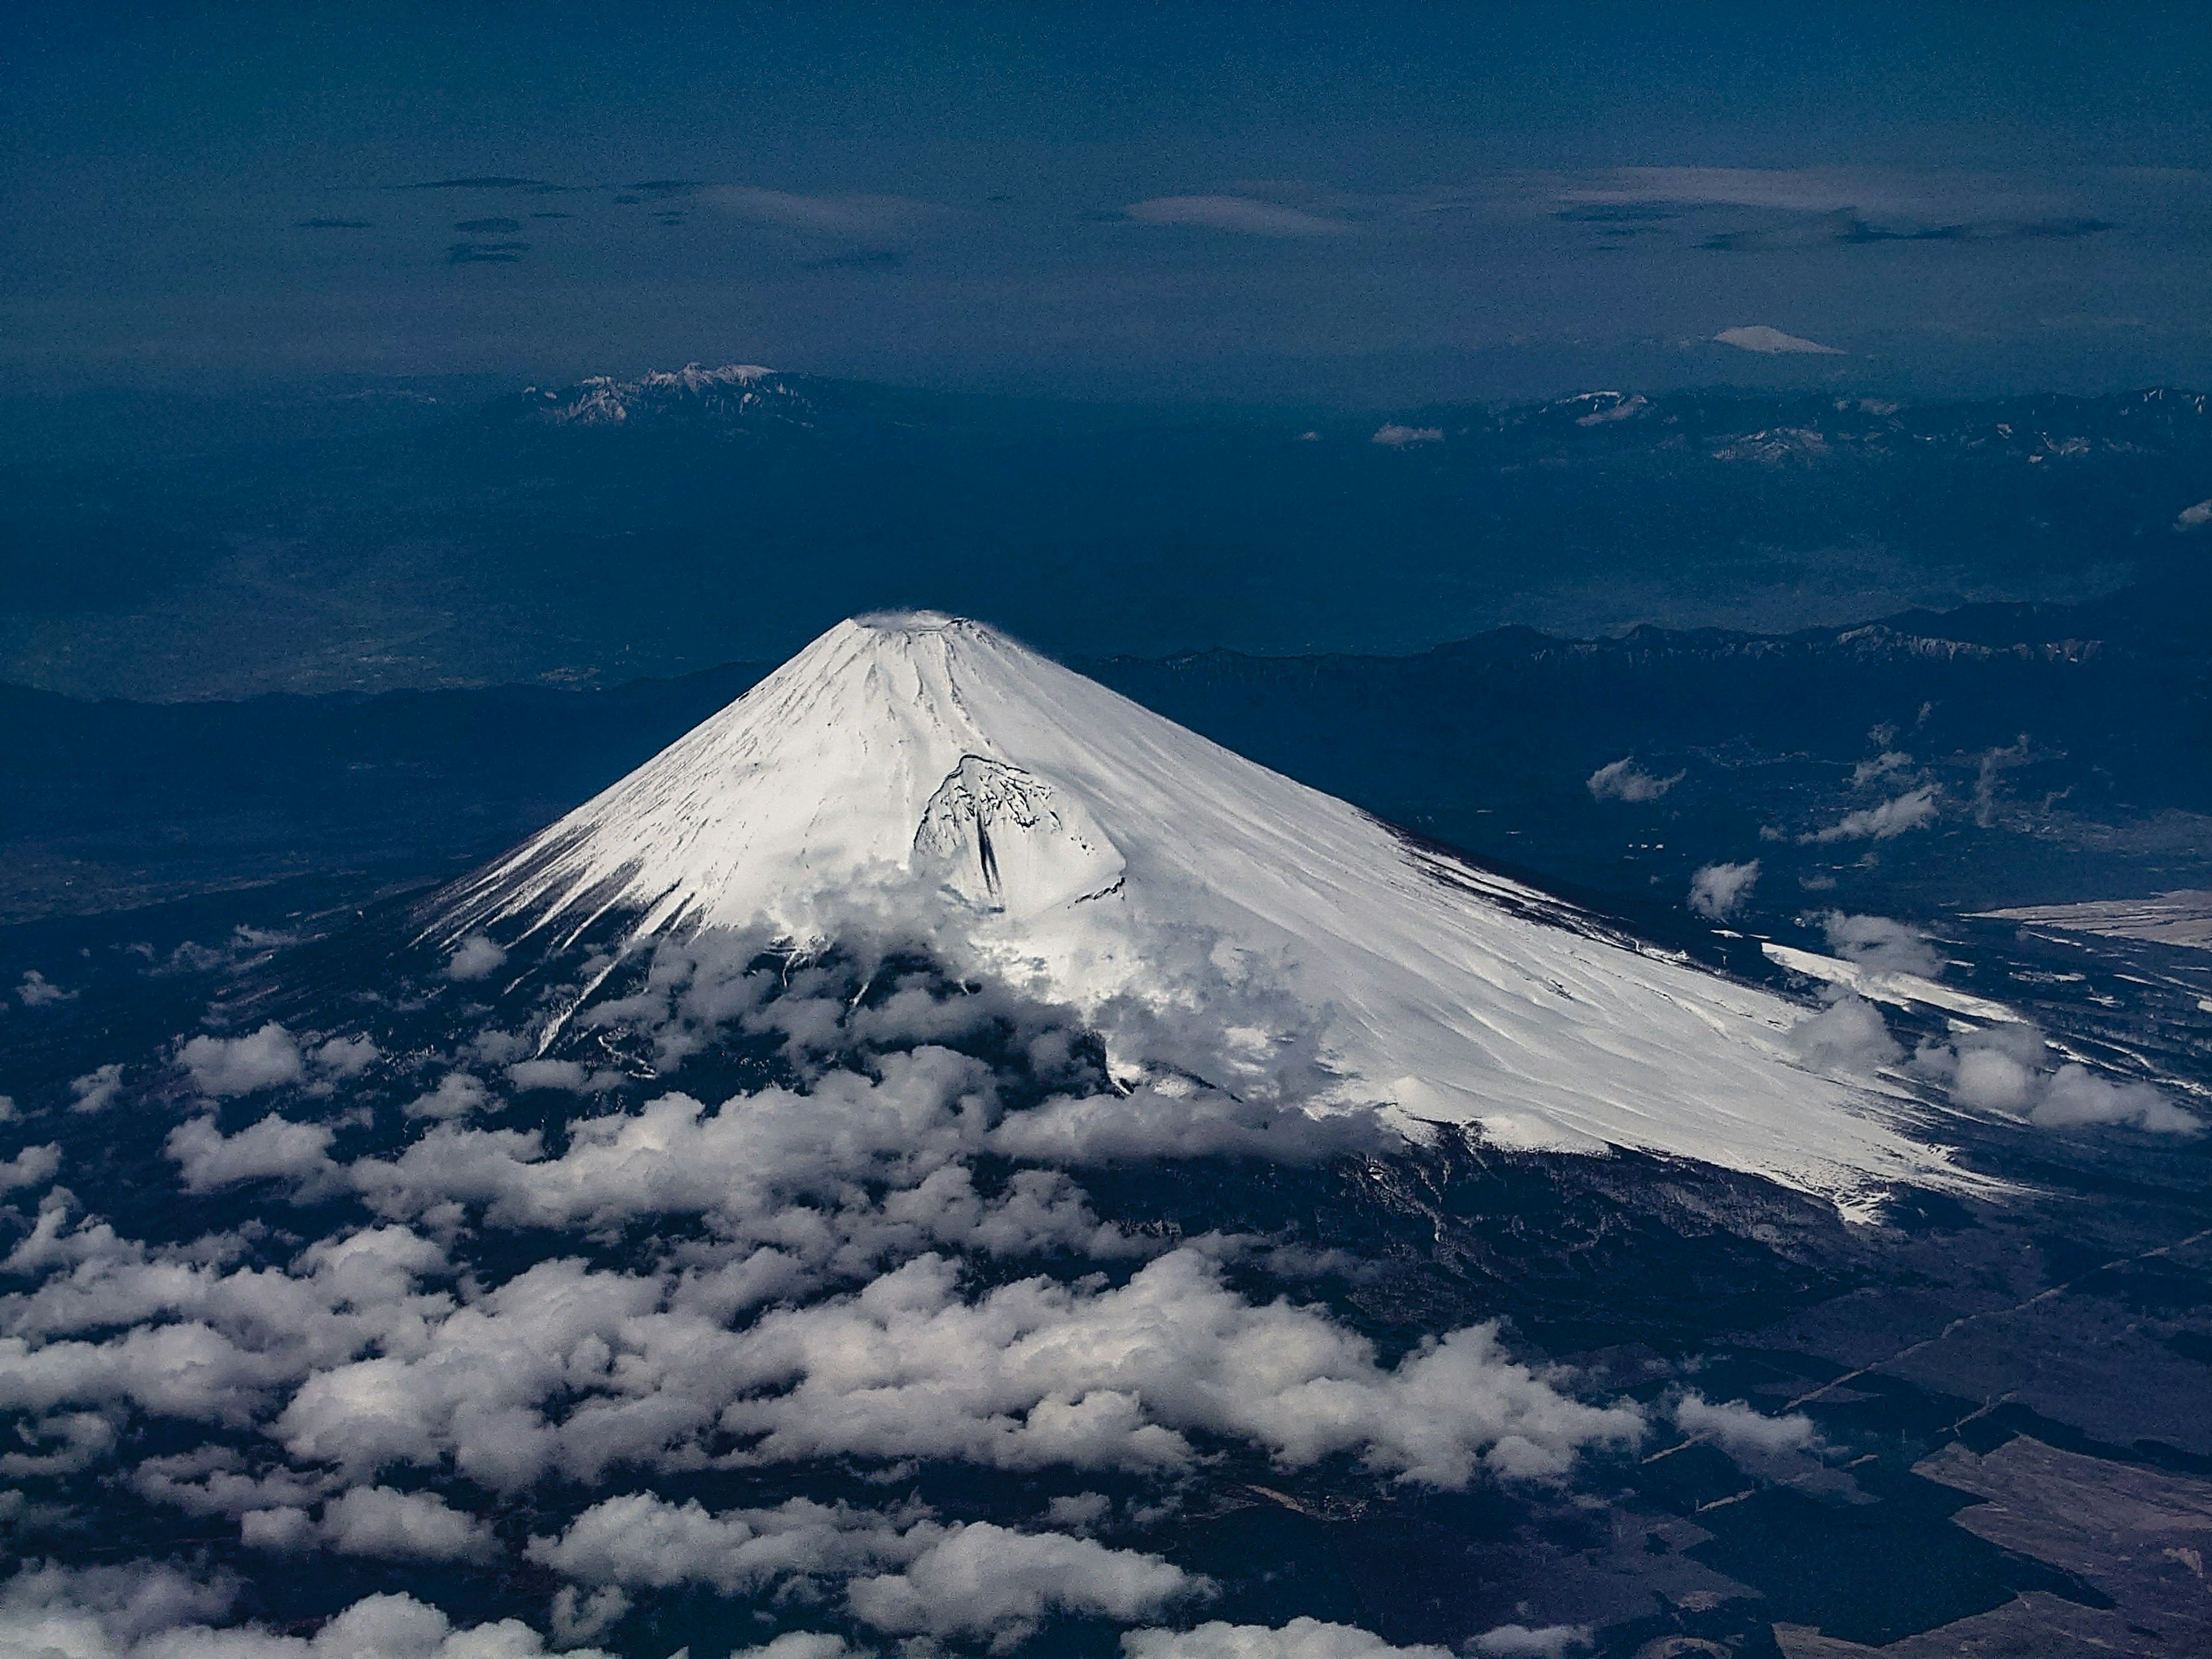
922,780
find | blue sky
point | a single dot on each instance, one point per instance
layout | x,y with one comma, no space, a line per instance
1335,204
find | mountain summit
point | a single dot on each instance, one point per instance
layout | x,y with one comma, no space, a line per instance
921,779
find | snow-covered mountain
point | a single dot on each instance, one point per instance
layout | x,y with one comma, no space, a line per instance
920,778
735,394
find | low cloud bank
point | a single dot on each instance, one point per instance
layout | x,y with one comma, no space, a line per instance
885,1258
2006,1069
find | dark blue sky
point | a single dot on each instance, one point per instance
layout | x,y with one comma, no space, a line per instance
1338,203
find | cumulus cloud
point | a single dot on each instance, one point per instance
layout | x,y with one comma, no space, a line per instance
193,1341
475,958
343,1057
642,1541
2194,517
1029,1375
2005,1069
1786,1450
33,1166
98,1611
1719,891
1914,809
1391,435
1848,1035
1301,1639
1036,1373
578,1619
96,1091
1880,945
1739,1431
744,1166
222,1066
1760,338
737,1293
273,1149
568,1076
157,1612
803,1644
378,1522
458,1094
1242,214
1623,779
37,991
986,1580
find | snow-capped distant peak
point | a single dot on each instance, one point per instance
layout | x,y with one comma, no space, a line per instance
916,774
733,390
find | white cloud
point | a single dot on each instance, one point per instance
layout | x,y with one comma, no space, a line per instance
1392,436
577,1620
1036,1373
394,1526
1786,1450
1244,214
1738,1430
1890,761
1080,1512
195,1341
845,1209
1301,1639
475,958
2001,1069
50,1612
1761,338
217,1480
33,1166
222,1067
803,1644
275,1148
62,1444
1881,946
458,1094
92,1613
2194,517
96,1091
566,1075
986,1580
1719,891
38,992
347,1056
1522,1641
1914,809
1848,1036
640,1541
1623,779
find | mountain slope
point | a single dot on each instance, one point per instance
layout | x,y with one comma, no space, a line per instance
919,778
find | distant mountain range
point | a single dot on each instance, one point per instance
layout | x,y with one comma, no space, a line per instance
1723,426
166,548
